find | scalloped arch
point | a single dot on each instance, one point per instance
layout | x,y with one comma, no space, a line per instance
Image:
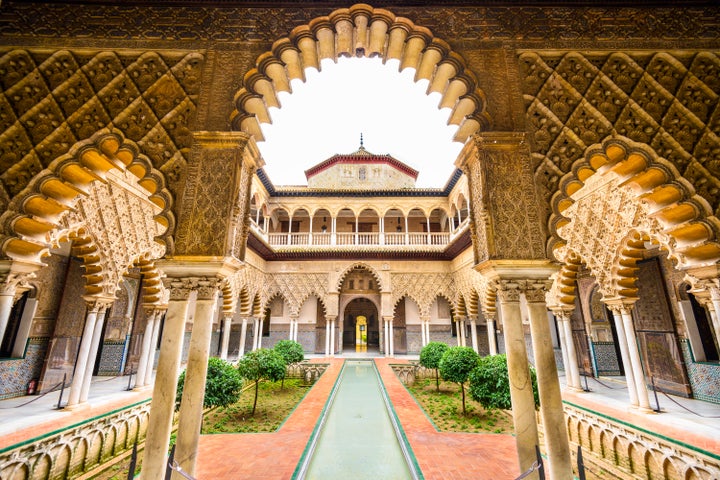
687,219
358,31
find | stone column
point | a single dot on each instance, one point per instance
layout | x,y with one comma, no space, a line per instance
260,332
153,344
638,374
563,349
227,327
333,322
92,356
256,333
551,407
94,306
424,322
386,343
163,399
243,334
327,336
473,334
571,352
191,405
492,340
616,308
521,392
427,331
150,314
392,337
7,298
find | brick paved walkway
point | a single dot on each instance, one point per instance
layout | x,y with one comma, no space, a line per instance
275,455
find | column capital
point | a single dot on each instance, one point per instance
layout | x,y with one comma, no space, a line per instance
620,306
535,290
98,304
508,291
563,313
330,318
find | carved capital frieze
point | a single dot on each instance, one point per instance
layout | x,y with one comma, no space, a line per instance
509,291
535,290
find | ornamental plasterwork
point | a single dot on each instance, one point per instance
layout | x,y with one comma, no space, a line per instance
51,100
422,288
120,220
667,100
264,24
297,287
602,219
470,285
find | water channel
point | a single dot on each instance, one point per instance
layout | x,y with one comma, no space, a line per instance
358,436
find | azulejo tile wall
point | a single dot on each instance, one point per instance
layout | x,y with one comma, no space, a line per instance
704,376
17,372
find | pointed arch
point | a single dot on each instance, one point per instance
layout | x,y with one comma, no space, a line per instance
358,31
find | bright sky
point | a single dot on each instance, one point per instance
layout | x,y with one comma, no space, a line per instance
326,114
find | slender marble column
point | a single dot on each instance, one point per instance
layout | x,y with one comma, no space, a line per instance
191,405
163,399
150,314
225,346
260,332
7,298
386,324
571,352
92,356
521,392
243,334
256,333
153,344
473,334
83,352
424,324
427,332
624,352
492,340
551,407
327,337
563,349
638,374
333,323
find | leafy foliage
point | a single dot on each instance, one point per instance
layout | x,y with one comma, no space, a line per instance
291,352
261,364
490,383
430,356
222,384
456,365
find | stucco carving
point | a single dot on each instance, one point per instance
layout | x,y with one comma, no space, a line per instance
422,288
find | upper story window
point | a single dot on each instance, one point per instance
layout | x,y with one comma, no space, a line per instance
362,172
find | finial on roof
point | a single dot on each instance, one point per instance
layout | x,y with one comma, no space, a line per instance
361,142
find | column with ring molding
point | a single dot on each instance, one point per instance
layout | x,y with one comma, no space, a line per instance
551,407
191,404
163,399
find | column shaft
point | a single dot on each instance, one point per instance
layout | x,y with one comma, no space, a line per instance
327,337
563,350
571,353
551,407
153,345
638,374
625,354
92,356
227,327
6,304
521,393
83,353
243,334
163,399
145,351
332,336
191,405
492,341
256,333
473,334
392,338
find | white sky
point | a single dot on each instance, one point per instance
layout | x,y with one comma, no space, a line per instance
326,114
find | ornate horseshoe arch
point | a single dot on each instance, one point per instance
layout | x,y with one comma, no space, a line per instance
359,31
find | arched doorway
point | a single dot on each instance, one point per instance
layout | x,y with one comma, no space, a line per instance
361,318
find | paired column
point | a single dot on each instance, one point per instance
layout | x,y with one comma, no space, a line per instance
191,405
473,333
243,335
153,343
150,314
492,340
257,331
425,329
567,345
521,392
227,327
551,407
293,328
80,386
635,377
163,399
333,323
389,343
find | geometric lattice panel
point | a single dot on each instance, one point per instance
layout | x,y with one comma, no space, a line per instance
669,101
51,100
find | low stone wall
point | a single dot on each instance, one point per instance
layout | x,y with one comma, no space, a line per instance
626,452
69,452
308,371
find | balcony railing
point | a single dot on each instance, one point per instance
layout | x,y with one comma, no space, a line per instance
345,240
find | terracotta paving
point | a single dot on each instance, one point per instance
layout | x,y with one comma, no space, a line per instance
275,455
